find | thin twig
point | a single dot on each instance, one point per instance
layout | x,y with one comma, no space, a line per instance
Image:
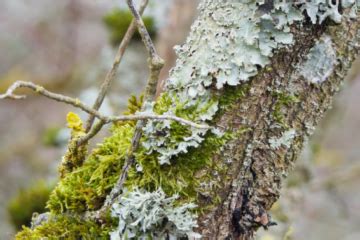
155,64
110,76
93,131
142,30
55,96
78,104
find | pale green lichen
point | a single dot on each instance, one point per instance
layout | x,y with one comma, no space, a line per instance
231,31
284,141
320,62
153,215
160,135
228,44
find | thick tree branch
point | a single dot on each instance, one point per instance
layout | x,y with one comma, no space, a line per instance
257,169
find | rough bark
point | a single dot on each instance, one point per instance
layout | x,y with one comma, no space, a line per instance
257,170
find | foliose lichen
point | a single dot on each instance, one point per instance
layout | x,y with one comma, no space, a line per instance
153,215
284,141
320,62
228,44
160,136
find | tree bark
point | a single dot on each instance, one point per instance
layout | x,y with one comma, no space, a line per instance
254,179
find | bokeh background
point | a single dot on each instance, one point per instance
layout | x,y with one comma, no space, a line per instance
67,46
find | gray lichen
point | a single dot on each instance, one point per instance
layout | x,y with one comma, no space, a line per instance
228,44
160,139
320,62
285,140
152,215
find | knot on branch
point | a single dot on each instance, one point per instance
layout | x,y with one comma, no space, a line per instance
10,92
156,63
248,218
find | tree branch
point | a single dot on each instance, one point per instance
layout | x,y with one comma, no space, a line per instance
155,64
110,76
78,104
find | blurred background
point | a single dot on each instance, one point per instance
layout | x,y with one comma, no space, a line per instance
67,46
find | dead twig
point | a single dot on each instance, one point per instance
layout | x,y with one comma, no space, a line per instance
110,76
78,104
155,64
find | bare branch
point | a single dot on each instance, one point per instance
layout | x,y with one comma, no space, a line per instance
142,30
110,76
93,131
55,96
155,64
78,104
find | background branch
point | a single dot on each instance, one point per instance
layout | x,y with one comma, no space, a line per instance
155,64
110,76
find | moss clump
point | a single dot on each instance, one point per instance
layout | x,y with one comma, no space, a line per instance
64,227
28,201
182,176
86,187
134,104
118,21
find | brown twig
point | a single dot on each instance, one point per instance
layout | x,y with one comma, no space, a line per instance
78,104
155,64
110,76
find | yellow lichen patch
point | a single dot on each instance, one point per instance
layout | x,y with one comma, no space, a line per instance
75,154
74,122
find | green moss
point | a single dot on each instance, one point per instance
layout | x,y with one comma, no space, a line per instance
282,100
181,109
182,176
134,104
28,201
118,21
229,96
86,187
64,227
